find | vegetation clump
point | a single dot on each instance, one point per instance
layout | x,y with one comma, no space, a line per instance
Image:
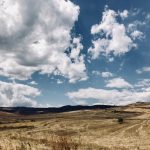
120,120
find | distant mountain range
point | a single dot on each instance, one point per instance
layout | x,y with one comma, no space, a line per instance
67,108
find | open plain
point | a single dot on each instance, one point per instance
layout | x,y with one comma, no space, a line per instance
95,129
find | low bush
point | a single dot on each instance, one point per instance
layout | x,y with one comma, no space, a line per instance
120,120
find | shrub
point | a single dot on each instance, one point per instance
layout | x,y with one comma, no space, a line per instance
120,120
32,120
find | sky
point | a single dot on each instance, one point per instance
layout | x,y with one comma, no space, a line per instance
74,52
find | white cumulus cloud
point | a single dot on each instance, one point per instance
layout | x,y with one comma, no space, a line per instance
143,70
111,35
137,35
33,83
106,74
15,94
124,14
35,35
113,97
118,83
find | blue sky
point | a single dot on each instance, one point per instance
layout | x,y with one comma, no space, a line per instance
58,52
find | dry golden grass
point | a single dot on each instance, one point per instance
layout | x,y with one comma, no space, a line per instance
80,130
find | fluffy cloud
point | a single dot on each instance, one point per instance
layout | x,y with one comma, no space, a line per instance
59,81
14,94
118,83
142,70
35,35
143,84
124,14
137,35
33,83
122,93
107,74
114,97
111,36
95,72
103,74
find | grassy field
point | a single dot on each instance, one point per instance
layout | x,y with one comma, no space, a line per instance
78,130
